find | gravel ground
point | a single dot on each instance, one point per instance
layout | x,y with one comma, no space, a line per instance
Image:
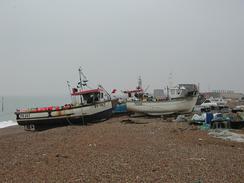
113,151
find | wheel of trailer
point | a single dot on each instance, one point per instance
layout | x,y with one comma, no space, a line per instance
32,127
27,127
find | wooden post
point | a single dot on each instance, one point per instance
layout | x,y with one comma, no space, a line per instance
2,104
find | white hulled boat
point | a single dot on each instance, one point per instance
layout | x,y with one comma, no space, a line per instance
159,108
181,99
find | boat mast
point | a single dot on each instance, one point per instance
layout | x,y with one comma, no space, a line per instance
81,87
139,83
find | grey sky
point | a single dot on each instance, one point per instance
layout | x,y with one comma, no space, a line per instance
43,42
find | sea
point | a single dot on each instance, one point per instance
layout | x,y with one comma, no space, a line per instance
11,103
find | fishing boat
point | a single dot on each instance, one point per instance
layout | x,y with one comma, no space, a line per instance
88,105
181,99
160,108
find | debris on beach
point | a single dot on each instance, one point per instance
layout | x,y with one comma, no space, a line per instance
181,118
61,156
133,121
227,135
198,119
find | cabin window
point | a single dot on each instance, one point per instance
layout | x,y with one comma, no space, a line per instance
96,99
91,97
129,95
88,98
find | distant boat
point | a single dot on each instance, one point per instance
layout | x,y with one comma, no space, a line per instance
214,103
217,101
88,105
180,99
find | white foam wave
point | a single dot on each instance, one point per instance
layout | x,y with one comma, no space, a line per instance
5,124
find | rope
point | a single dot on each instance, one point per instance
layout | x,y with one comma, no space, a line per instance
69,121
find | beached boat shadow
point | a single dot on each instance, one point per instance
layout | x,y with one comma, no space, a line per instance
44,128
39,128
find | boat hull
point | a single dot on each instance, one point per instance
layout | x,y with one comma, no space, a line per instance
77,115
183,105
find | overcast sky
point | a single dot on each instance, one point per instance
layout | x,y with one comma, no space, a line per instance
43,42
